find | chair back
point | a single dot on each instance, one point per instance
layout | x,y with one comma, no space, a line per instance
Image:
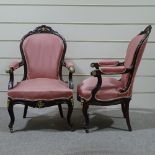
133,57
43,51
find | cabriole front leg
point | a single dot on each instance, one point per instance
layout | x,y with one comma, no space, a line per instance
85,107
11,113
70,110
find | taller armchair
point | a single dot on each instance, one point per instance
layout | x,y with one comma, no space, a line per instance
107,91
43,51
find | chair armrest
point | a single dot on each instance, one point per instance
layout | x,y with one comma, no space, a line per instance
13,66
107,71
69,65
108,62
103,63
111,70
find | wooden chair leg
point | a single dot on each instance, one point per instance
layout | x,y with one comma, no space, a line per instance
25,111
11,114
60,110
126,105
85,107
69,114
123,109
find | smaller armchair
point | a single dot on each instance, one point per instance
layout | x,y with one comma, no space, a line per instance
106,91
43,51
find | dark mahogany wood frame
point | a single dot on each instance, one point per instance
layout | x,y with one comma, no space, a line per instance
40,103
123,101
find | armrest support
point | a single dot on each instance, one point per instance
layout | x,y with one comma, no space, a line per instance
97,87
13,66
70,66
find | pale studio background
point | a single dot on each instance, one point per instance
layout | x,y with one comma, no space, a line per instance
94,29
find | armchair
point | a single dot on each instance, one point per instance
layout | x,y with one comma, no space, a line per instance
110,91
43,51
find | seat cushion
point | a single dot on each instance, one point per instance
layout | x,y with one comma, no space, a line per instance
40,89
108,91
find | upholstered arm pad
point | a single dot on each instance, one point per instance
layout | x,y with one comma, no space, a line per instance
70,66
113,70
103,63
108,62
13,66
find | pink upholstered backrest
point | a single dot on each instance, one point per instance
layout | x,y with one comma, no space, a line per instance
43,53
131,51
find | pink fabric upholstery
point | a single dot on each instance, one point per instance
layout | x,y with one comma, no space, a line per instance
113,70
108,62
108,91
136,66
43,53
14,65
131,49
40,89
130,55
111,87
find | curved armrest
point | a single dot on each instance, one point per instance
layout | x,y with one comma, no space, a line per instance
70,66
107,71
13,66
108,62
111,70
103,63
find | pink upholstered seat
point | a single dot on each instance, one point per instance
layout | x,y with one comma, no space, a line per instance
40,89
110,89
